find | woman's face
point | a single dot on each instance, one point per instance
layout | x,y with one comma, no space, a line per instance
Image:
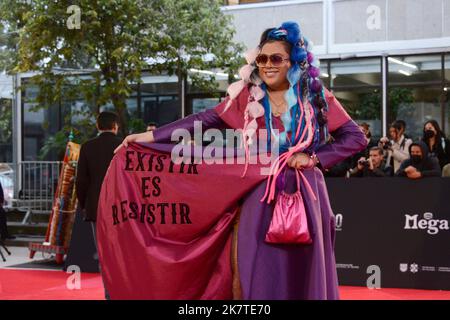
429,126
275,76
393,133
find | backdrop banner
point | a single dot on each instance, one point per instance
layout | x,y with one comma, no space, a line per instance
392,230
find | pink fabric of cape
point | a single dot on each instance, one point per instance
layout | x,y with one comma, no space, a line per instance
336,115
143,258
234,116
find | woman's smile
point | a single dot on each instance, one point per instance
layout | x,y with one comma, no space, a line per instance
271,72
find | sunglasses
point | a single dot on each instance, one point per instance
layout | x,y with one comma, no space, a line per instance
275,59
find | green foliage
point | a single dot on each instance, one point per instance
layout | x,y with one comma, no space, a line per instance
78,120
5,121
136,125
195,34
370,106
400,98
117,40
8,43
54,144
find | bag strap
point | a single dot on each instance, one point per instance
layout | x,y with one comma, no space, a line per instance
281,160
299,174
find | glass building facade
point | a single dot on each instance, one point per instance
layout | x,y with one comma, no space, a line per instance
6,112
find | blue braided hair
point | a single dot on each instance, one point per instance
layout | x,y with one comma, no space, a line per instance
304,68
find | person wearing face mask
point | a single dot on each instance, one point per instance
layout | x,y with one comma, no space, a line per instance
438,145
396,148
420,164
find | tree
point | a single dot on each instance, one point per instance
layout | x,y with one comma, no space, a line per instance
370,105
5,121
115,40
197,35
109,37
400,98
8,43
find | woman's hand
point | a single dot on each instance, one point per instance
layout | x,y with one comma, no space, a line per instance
300,160
139,137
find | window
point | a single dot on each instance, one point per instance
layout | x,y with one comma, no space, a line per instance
41,123
415,69
415,105
415,91
356,72
447,68
324,73
363,105
356,83
5,130
199,105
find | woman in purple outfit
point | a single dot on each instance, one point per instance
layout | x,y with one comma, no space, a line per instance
280,91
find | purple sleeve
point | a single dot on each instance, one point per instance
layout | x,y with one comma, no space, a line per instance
209,119
348,140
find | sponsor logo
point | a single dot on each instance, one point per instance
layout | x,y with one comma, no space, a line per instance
428,268
414,268
403,267
433,226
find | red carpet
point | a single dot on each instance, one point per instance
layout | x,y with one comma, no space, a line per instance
363,293
51,285
47,285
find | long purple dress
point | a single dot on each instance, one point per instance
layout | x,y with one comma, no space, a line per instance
271,271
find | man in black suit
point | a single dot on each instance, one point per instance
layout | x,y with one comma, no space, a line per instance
95,157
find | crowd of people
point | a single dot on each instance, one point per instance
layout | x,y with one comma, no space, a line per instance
398,155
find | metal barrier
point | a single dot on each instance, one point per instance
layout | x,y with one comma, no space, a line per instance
32,184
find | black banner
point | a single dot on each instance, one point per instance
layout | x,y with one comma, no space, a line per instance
392,232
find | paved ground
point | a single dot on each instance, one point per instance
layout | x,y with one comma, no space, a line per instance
20,255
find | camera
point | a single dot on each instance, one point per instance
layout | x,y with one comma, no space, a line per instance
387,145
363,162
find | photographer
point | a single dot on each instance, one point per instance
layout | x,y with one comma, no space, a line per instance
371,142
396,149
374,166
402,124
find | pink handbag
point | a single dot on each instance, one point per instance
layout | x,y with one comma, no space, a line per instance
289,223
